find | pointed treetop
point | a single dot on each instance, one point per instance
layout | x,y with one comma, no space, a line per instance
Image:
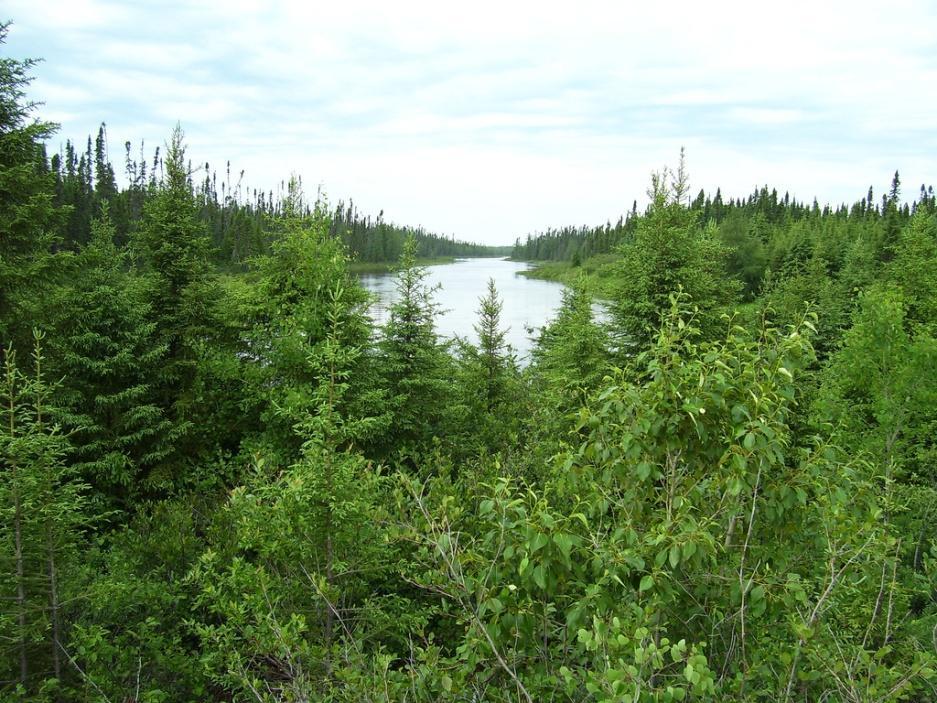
895,189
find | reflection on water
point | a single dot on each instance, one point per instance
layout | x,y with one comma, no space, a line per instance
527,303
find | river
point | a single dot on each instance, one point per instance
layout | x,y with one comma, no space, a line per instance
527,303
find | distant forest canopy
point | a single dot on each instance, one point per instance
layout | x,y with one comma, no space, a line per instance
238,219
754,224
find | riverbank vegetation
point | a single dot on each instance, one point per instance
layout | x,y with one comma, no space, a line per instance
226,485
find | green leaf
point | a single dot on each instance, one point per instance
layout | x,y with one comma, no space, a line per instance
539,577
538,542
564,542
674,555
646,583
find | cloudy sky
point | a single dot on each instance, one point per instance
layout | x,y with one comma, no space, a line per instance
488,120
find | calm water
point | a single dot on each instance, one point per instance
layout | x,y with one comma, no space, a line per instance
527,303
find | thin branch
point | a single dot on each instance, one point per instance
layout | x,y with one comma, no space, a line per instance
84,676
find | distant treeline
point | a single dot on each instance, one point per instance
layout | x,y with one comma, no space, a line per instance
237,218
764,229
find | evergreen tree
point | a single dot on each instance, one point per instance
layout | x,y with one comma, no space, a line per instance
893,220
299,283
171,249
107,350
569,362
669,252
29,220
42,507
413,362
572,355
914,268
746,256
489,381
307,549
105,184
495,356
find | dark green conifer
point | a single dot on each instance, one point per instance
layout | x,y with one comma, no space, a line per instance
413,362
106,349
171,250
29,219
669,252
42,513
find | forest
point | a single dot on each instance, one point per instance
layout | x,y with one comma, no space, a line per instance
222,482
236,220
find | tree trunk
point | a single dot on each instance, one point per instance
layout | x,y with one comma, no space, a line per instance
54,608
20,578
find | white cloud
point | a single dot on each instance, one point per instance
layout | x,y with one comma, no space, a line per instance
493,119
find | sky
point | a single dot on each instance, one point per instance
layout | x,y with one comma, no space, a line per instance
491,120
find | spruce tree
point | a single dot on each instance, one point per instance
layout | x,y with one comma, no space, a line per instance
572,354
171,250
308,555
669,252
414,363
489,380
105,186
29,219
106,349
494,353
914,268
298,285
42,513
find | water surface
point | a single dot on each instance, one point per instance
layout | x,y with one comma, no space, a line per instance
527,303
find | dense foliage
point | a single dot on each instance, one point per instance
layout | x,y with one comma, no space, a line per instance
224,484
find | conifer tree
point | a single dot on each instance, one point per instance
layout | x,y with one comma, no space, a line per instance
914,268
298,283
307,550
490,380
495,356
572,354
669,252
171,249
413,362
105,186
29,220
107,350
42,509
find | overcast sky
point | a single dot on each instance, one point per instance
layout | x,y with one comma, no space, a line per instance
489,120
